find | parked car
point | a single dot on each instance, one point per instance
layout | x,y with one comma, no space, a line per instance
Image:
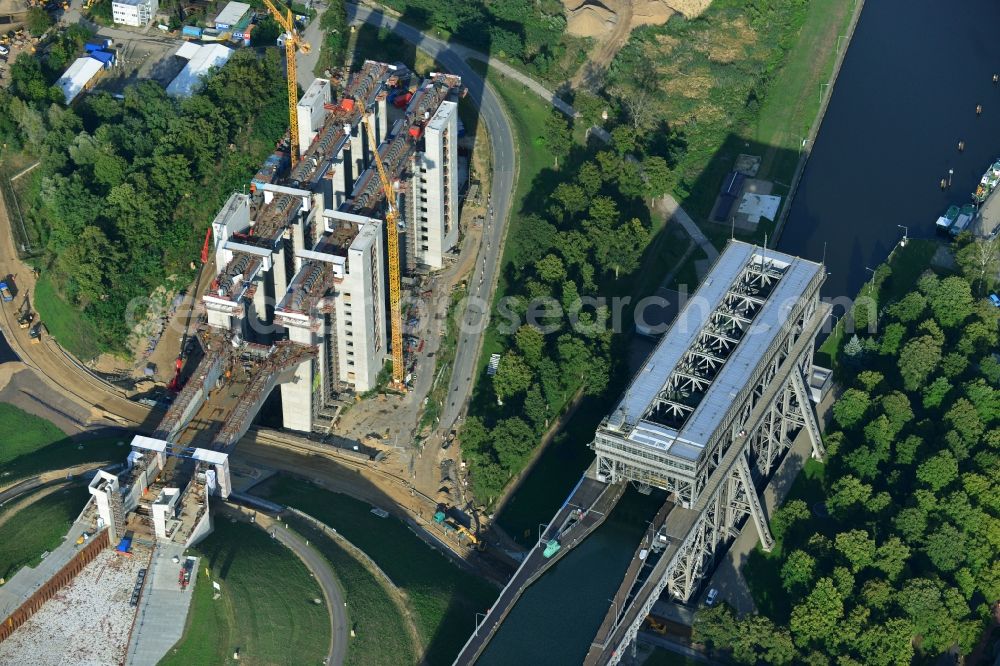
710,598
4,50
995,300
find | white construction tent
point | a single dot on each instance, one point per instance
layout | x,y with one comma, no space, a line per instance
78,77
201,59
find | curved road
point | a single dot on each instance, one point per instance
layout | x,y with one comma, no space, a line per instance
324,575
498,127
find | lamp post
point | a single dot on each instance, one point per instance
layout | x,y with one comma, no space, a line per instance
871,285
951,172
906,234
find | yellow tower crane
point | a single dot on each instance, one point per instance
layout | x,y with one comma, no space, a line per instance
292,43
391,218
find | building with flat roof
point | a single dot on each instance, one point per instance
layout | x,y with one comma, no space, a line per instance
80,76
434,215
199,65
676,414
135,13
312,112
231,15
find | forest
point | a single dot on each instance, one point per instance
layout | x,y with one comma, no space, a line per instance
888,551
126,188
531,34
587,237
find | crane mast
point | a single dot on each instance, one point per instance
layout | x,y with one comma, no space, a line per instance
292,44
392,232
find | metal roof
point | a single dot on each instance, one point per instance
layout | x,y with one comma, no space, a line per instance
694,434
78,76
207,57
232,13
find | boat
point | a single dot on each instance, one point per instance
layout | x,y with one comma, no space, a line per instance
945,222
551,548
987,183
965,218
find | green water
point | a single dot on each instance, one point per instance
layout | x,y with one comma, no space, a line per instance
556,619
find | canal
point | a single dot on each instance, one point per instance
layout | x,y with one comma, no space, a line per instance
906,95
556,619
6,353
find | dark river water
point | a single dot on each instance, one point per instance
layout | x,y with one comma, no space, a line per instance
906,95
6,353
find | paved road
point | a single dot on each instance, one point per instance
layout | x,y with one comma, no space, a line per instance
504,170
321,570
306,62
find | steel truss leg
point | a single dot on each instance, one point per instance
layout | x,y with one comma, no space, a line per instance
756,511
808,415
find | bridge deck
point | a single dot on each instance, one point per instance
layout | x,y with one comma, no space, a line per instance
582,512
637,566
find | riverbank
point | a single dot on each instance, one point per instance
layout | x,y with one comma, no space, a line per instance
806,146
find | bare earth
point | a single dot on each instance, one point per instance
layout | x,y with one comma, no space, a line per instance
610,22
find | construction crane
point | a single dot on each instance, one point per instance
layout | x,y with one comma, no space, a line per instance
391,217
292,43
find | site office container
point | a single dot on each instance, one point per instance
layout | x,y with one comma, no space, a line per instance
107,59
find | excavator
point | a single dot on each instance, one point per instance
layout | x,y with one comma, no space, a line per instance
24,314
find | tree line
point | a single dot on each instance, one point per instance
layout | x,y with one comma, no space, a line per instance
529,32
126,188
587,233
899,559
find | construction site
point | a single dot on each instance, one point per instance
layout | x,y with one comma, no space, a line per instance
360,197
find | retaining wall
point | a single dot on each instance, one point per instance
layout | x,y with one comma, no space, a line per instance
62,577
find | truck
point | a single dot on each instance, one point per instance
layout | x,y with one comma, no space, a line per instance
36,333
6,293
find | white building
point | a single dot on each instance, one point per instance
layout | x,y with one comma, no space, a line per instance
347,325
434,190
80,76
311,112
136,13
231,15
200,62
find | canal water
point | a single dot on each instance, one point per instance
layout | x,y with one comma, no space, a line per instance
906,95
557,618
6,353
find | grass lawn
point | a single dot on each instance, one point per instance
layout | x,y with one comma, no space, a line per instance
792,101
376,619
38,527
266,609
443,598
22,433
762,570
65,322
30,445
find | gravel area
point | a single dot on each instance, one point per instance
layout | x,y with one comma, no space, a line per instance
87,622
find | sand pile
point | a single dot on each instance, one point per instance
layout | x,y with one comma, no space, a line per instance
595,18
